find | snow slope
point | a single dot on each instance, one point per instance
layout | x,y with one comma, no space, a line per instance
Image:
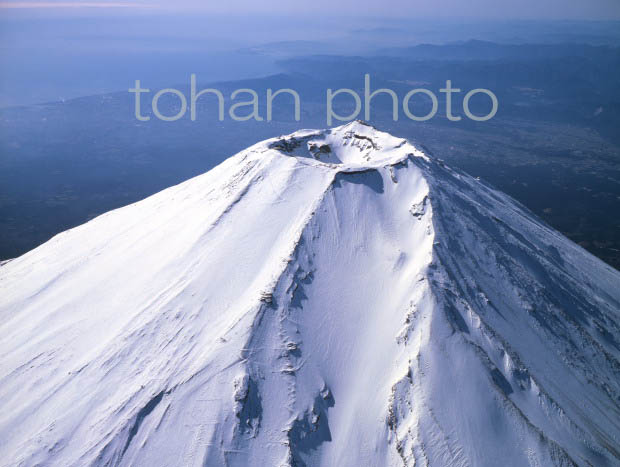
327,298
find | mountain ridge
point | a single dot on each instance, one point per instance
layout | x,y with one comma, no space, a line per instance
330,297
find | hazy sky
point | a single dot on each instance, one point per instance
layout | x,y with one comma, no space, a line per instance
508,9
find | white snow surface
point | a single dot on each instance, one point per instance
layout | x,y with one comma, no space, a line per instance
327,298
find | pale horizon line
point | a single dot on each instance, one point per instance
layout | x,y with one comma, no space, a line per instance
36,5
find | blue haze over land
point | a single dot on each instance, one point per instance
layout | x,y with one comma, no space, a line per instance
70,148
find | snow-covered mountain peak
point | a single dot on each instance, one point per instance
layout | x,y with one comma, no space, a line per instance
356,145
331,297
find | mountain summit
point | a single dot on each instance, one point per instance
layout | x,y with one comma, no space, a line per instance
327,298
